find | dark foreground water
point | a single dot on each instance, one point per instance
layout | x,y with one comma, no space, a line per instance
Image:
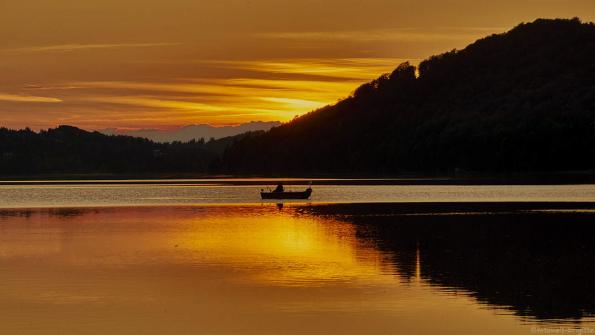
410,268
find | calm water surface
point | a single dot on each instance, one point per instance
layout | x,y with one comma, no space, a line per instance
187,267
126,193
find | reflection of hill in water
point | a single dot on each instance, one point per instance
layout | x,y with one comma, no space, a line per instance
537,264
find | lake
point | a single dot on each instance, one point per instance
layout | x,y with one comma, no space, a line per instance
208,257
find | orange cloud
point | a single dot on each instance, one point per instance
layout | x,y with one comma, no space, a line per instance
270,91
26,98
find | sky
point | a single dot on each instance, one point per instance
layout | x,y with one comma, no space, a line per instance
137,64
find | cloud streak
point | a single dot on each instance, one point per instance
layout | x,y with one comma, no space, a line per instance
27,98
387,35
269,91
83,47
356,69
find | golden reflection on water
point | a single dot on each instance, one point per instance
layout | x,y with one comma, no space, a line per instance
212,270
289,250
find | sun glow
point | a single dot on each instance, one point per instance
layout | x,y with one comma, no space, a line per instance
269,90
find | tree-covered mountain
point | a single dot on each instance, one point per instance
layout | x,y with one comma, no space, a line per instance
515,102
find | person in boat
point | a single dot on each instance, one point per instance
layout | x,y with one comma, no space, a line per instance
279,189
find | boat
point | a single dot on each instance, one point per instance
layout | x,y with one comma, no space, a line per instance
286,195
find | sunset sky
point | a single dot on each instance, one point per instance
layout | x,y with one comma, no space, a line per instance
132,64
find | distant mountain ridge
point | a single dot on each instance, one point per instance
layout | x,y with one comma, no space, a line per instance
522,101
194,132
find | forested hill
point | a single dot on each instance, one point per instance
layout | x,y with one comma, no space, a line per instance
519,101
67,150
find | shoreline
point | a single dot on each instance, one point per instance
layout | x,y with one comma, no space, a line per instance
561,178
